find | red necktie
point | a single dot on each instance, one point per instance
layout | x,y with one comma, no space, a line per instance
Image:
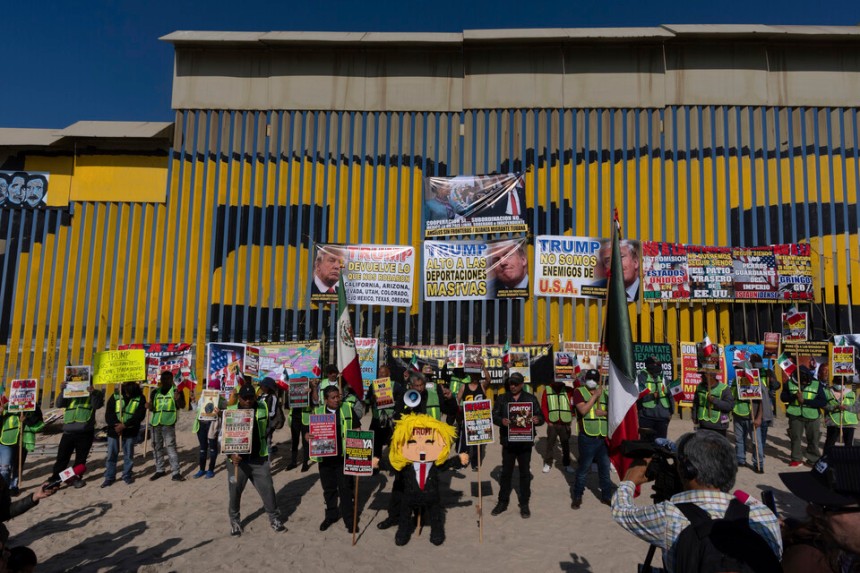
422,475
332,290
514,211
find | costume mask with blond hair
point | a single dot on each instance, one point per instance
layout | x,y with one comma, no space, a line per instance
420,438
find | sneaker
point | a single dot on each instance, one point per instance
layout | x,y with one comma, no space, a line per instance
546,468
277,525
177,477
351,529
157,475
576,503
199,474
305,467
209,475
569,469
795,464
525,513
475,469
501,507
386,523
79,483
106,483
129,480
236,528
326,523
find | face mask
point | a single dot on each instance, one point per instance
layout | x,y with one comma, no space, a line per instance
591,384
654,369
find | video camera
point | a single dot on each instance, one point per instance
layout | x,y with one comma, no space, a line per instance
662,467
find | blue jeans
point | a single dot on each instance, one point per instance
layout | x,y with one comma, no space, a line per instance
9,464
113,454
743,429
592,450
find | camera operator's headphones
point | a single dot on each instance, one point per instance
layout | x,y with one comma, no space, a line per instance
686,468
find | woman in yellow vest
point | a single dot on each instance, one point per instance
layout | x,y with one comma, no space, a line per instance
590,401
712,403
10,443
124,414
842,408
164,403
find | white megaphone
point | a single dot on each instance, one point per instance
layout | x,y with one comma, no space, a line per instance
412,398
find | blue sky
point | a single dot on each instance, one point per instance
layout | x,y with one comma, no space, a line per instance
102,60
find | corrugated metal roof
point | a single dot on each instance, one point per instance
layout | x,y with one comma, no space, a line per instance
24,137
118,129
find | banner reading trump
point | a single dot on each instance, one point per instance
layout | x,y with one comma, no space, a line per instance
475,205
380,275
475,270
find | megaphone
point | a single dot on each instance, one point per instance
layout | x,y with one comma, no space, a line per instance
412,398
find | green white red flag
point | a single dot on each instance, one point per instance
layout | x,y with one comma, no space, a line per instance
347,357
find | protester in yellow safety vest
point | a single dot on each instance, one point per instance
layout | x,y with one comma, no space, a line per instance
803,408
557,407
842,408
435,399
79,423
747,419
11,440
381,422
300,419
124,414
712,403
253,466
207,435
657,406
591,409
164,403
337,486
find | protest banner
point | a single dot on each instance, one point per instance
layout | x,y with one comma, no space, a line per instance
770,348
473,361
478,422
521,364
691,377
739,356
384,392
565,366
749,384
852,340
208,405
456,356
22,396
376,275
322,436
589,356
224,365
569,267
175,358
812,354
368,357
282,360
117,366
664,271
710,272
794,326
358,456
521,428
475,205
842,359
754,274
794,266
299,393
475,270
77,381
662,352
24,189
238,432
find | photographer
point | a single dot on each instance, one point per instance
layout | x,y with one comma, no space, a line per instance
706,464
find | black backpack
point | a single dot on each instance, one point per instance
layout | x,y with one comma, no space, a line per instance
725,545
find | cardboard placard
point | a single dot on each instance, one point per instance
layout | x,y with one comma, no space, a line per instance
358,457
383,389
77,381
749,384
22,396
238,432
322,436
208,405
299,395
456,356
478,419
118,366
521,428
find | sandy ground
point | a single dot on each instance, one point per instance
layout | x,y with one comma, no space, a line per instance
183,526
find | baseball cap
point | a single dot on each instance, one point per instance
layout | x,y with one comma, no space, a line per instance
247,392
268,383
592,375
834,480
516,378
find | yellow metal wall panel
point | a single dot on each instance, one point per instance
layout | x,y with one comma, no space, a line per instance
137,179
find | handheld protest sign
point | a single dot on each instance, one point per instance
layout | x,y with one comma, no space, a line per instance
77,381
238,432
521,427
118,366
322,436
299,396
22,396
357,461
478,422
208,405
384,393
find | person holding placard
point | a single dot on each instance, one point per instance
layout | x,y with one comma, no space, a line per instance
712,403
657,406
124,414
590,401
300,420
804,402
557,408
747,419
516,452
164,404
381,422
335,484
253,466
11,441
207,424
79,429
842,408
471,391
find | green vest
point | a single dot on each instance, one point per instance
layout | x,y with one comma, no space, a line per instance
164,409
655,394
841,418
262,416
810,391
702,402
558,406
124,411
592,424
457,383
79,410
742,407
345,421
9,432
433,408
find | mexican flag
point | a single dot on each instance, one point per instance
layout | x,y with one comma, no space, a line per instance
347,357
413,364
576,368
506,353
786,364
707,346
676,389
618,340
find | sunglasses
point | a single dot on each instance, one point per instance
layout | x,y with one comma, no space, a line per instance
837,510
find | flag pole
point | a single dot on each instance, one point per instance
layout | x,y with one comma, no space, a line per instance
355,510
480,507
20,446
